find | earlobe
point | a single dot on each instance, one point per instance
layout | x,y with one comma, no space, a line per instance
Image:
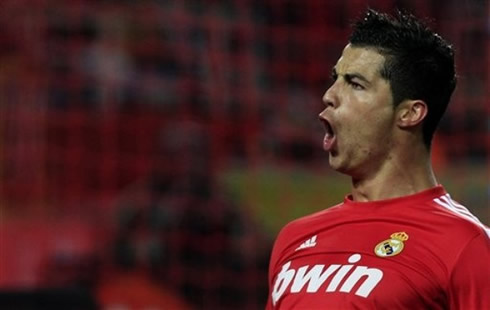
411,113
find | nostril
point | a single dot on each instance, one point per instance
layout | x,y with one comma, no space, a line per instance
329,98
328,103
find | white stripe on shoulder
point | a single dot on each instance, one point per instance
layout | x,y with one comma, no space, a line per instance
446,202
456,206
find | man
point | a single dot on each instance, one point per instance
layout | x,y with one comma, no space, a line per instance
398,241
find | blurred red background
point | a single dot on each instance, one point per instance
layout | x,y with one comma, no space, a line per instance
151,150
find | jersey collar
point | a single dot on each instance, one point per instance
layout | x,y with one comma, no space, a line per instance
425,195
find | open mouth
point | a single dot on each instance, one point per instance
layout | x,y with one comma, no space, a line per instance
329,138
328,127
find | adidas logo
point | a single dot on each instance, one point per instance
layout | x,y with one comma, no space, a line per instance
307,244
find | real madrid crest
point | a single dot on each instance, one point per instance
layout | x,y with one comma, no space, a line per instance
393,246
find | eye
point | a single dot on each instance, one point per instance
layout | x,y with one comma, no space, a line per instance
355,85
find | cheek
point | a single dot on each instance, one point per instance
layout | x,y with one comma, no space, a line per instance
378,132
369,128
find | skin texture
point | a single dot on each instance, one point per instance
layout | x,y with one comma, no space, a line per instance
379,145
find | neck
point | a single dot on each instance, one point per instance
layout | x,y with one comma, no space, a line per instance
400,175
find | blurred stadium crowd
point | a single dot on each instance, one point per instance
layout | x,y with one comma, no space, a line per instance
117,119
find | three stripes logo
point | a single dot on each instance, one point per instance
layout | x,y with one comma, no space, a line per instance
308,243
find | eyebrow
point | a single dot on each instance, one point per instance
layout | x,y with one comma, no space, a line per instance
351,76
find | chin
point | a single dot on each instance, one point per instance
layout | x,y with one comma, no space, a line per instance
335,163
340,165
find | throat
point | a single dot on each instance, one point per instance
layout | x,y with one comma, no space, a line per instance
393,183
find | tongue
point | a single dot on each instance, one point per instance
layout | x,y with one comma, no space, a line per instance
328,142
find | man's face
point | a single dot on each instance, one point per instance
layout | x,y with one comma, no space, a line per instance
359,113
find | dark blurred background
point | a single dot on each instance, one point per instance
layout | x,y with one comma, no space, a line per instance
151,150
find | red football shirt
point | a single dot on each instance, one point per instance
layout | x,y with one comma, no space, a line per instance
423,251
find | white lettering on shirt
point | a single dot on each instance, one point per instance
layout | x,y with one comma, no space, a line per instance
315,277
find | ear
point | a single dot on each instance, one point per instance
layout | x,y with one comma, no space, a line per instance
410,113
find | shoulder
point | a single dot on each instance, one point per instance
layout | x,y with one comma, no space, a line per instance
460,220
459,234
303,228
468,265
312,221
469,276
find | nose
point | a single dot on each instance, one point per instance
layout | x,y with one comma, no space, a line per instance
330,99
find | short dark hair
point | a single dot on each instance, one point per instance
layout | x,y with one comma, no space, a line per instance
419,64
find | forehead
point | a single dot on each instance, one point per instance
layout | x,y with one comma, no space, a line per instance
365,61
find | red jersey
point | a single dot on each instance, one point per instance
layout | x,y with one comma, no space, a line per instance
423,251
